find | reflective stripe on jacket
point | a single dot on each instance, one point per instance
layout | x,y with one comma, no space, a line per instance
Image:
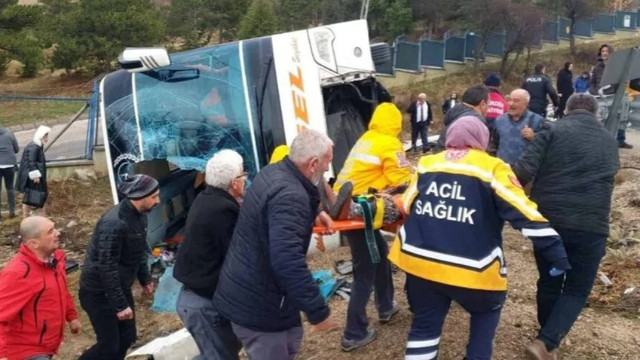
377,160
456,205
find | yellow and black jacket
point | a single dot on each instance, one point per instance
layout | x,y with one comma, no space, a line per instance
457,203
377,160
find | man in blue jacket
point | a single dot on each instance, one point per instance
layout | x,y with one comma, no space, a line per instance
265,283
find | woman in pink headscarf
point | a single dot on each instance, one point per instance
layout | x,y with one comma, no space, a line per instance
451,244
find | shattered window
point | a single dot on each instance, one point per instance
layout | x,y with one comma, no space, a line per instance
195,108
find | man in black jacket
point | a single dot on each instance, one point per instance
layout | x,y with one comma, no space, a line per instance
539,87
265,283
210,224
573,191
421,117
475,102
116,256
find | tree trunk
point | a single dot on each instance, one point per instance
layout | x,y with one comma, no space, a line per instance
528,63
503,64
572,36
513,63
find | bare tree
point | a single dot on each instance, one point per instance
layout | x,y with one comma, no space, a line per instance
485,17
615,5
524,29
573,10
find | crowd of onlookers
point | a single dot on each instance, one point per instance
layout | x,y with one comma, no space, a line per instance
243,262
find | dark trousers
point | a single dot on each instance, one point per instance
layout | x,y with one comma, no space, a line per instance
621,136
8,174
114,337
367,276
542,111
211,332
561,299
282,345
430,302
422,129
562,104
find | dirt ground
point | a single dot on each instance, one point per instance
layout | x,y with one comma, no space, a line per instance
608,329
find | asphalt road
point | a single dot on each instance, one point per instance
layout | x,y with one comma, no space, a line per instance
70,145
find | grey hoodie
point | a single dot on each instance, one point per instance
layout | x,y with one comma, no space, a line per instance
8,147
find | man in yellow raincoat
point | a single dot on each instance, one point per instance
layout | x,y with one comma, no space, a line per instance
376,161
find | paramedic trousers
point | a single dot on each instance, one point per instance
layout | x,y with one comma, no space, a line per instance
114,337
211,332
430,302
561,298
367,276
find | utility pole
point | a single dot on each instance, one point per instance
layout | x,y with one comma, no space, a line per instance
364,9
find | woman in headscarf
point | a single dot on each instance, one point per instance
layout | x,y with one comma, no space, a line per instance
32,174
564,84
451,245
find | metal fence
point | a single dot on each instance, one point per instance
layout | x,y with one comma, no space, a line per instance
433,53
70,138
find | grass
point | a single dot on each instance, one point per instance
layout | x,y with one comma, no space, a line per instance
47,84
30,111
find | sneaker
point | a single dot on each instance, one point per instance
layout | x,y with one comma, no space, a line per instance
625,145
386,317
538,351
350,345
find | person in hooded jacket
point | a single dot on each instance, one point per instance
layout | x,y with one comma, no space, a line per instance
565,87
32,173
475,102
539,87
376,161
8,150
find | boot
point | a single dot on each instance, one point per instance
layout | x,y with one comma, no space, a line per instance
339,208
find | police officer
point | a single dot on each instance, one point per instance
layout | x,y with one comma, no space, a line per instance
539,86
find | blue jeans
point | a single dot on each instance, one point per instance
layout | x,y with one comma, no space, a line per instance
211,332
430,302
561,299
367,276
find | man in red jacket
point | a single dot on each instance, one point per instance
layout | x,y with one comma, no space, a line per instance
34,299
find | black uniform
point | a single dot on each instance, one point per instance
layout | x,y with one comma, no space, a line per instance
539,86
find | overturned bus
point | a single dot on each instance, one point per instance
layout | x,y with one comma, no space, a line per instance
166,115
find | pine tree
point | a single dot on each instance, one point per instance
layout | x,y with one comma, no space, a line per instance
259,21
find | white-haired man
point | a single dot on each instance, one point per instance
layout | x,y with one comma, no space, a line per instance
421,116
265,281
514,130
202,254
